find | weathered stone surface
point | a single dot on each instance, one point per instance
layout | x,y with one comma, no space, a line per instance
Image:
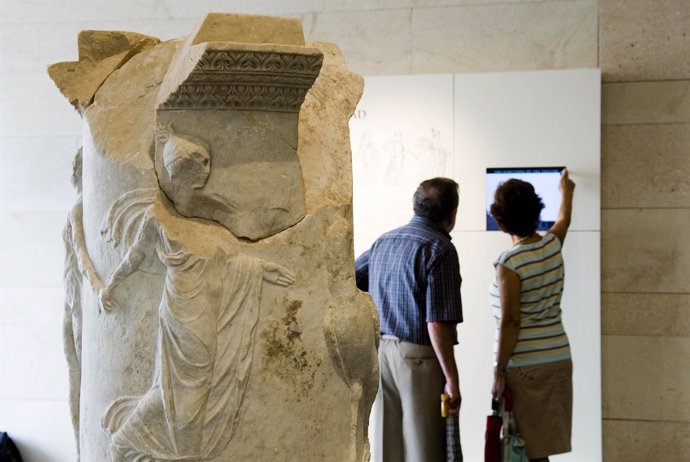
324,150
97,45
219,27
642,380
639,41
645,165
251,339
663,102
243,99
506,37
100,54
642,441
635,259
666,315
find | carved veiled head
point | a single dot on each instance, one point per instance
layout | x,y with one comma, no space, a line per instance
239,89
187,159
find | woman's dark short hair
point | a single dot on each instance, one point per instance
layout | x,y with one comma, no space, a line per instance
435,199
516,208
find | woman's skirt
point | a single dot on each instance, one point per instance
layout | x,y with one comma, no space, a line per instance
543,406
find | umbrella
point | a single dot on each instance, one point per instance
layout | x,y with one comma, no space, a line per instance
492,442
453,446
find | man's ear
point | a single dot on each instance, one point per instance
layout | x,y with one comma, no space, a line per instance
450,221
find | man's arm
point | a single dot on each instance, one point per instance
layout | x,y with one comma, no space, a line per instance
442,336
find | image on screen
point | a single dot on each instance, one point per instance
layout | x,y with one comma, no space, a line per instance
545,181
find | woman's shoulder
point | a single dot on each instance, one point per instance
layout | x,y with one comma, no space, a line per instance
551,239
507,258
521,254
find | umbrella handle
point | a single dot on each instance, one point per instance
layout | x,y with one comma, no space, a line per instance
444,405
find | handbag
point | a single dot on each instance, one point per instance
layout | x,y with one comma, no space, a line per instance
513,447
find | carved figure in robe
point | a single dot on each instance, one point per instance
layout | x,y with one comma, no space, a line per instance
78,265
208,315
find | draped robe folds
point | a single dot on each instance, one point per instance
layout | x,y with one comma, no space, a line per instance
207,320
72,319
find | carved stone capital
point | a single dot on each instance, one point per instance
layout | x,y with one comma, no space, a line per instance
247,80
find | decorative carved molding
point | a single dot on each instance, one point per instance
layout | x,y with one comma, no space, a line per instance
247,80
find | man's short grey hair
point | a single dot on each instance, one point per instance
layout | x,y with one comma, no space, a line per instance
436,199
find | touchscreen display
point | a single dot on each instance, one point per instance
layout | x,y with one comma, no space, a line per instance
545,181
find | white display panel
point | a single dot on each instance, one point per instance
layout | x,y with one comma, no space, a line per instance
480,121
402,133
528,119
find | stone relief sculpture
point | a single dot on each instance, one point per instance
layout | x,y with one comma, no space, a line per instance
78,266
217,173
208,315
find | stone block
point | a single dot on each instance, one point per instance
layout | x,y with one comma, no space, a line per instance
85,11
638,441
505,37
100,54
644,378
37,50
666,315
359,5
198,8
373,42
645,165
646,102
645,250
265,317
643,40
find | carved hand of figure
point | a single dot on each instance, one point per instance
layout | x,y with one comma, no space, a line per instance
98,288
105,298
277,274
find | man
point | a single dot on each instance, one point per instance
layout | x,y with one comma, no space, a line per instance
413,276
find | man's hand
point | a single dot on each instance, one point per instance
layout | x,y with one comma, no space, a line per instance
454,398
442,339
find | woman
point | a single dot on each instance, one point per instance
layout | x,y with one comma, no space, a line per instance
532,351
207,318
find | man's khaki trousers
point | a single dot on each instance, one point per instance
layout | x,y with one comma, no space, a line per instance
408,426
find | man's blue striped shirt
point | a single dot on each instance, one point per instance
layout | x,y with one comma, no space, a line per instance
413,276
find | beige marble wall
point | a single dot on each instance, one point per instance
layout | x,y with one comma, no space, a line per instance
644,53
642,46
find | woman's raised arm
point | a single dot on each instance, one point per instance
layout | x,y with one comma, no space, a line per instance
567,187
